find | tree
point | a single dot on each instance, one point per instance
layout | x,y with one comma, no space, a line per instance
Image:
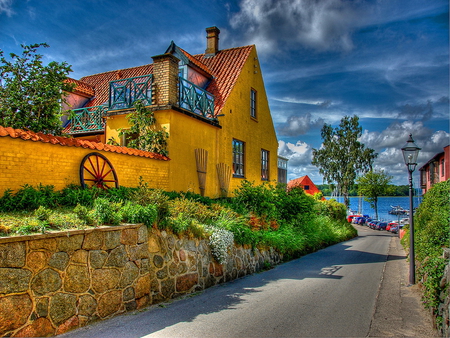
31,93
341,156
373,185
144,134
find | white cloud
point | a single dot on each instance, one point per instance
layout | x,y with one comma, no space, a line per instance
6,7
317,24
300,125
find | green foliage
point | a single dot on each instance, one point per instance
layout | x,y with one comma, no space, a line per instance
73,195
136,213
372,185
332,208
30,92
42,213
432,234
29,198
342,156
106,212
83,214
144,134
143,195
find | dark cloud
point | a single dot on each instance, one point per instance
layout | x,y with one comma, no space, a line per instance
317,24
423,112
300,125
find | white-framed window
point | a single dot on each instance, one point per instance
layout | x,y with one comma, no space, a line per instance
264,165
253,103
238,158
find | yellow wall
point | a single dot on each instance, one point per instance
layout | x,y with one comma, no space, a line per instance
28,162
257,133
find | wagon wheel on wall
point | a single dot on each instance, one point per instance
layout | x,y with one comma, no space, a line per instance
96,170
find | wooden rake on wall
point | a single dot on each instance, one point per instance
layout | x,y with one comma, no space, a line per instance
201,158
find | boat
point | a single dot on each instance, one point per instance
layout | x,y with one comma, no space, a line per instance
397,210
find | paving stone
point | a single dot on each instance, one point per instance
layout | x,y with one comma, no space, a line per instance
117,257
105,279
14,280
14,312
109,303
97,258
62,307
129,274
41,327
77,279
59,260
12,255
69,243
87,305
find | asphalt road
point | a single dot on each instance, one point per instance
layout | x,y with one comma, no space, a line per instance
330,293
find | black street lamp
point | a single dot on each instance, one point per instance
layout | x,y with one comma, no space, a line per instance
410,153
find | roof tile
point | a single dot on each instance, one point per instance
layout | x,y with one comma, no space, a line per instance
64,141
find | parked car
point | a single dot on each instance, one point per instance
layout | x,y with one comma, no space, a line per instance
381,226
373,224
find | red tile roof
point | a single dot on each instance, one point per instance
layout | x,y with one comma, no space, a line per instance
82,88
74,142
100,82
225,68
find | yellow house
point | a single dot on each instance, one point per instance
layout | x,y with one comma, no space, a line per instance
213,106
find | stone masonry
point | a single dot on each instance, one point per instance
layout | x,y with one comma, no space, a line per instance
52,283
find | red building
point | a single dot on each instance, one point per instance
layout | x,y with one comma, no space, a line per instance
306,184
435,170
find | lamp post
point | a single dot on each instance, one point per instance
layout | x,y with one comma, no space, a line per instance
410,153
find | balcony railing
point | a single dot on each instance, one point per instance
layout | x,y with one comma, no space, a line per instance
196,99
87,120
124,92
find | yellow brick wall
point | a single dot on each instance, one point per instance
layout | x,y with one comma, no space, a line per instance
28,162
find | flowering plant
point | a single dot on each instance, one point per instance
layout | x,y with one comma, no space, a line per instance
220,240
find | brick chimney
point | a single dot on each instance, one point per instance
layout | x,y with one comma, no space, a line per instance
212,41
165,79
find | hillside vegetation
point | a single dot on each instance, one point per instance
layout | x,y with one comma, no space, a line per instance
265,215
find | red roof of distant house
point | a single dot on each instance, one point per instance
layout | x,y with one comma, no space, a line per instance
75,142
304,182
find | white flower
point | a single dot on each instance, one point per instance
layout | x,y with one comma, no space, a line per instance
220,241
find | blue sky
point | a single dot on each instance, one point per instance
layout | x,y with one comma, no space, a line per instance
386,61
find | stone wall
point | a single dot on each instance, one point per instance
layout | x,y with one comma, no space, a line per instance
52,283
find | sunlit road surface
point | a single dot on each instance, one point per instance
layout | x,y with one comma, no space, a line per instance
330,293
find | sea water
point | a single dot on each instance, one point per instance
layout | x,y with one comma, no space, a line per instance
385,204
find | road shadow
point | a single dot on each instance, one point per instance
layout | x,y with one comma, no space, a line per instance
323,264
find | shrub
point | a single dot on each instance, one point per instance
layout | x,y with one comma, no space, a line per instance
432,233
331,208
29,198
106,212
143,195
136,213
73,195
83,214
42,213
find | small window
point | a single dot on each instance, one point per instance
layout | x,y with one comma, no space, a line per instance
264,165
238,158
442,168
306,187
126,138
253,103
